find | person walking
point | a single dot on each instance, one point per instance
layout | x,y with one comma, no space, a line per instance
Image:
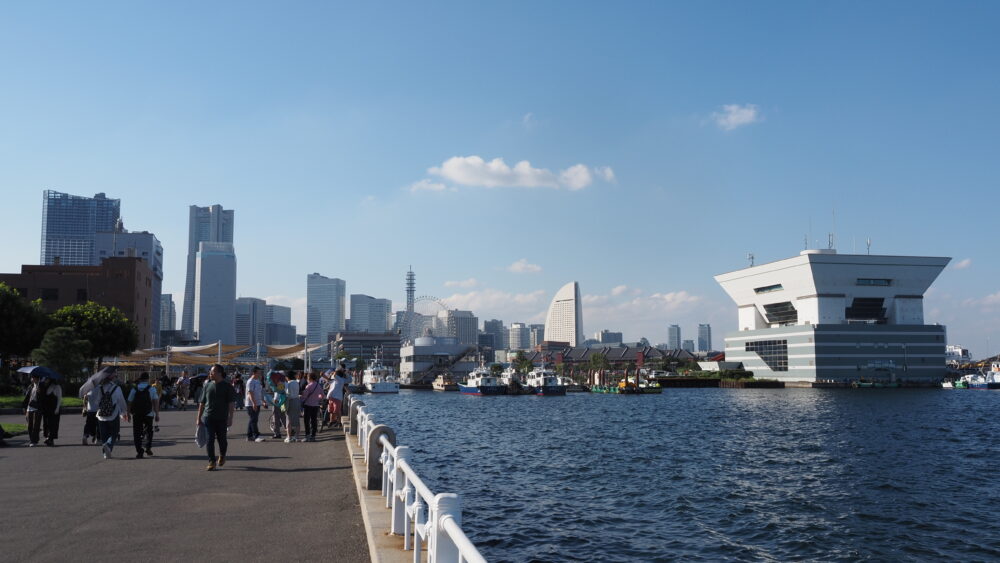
311,398
90,406
111,408
144,408
51,407
238,386
276,385
215,412
183,390
292,407
254,398
335,396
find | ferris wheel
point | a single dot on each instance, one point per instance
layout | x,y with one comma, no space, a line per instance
423,317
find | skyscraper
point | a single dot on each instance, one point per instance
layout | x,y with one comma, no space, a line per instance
168,312
564,322
278,328
70,224
251,318
499,332
215,293
704,338
369,314
674,337
536,335
205,224
325,302
519,336
463,325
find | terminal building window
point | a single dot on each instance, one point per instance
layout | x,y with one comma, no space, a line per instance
768,288
783,313
773,352
878,282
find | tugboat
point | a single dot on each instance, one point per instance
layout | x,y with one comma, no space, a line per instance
545,382
444,382
514,382
481,382
379,378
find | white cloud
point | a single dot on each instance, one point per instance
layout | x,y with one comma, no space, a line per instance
528,121
523,267
511,307
426,185
962,264
618,290
734,115
988,301
476,171
471,282
298,306
607,173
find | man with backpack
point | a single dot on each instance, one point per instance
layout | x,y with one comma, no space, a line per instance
111,408
144,408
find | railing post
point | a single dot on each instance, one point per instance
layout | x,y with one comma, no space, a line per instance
445,506
374,460
355,405
399,491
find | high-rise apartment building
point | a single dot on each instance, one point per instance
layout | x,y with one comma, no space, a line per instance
463,325
168,312
520,336
536,335
215,293
688,346
674,337
705,338
120,243
251,320
205,224
564,322
325,307
70,224
369,314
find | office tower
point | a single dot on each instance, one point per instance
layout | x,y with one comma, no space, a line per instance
688,346
822,316
369,314
278,314
168,312
215,293
536,335
705,338
499,332
121,243
205,224
70,223
251,320
520,336
564,322
673,337
608,337
463,325
325,303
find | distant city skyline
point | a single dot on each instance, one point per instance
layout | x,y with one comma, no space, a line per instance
387,131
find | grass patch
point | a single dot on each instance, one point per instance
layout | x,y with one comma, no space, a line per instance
15,429
14,401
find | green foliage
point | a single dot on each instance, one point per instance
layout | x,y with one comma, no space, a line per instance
109,332
599,362
340,355
361,364
496,369
22,324
63,352
521,363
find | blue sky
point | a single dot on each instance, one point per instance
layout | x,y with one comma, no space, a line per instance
658,144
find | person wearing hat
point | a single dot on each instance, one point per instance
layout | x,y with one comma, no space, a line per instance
144,408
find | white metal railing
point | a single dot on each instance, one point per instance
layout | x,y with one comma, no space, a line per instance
425,520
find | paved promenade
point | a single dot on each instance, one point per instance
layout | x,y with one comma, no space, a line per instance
271,502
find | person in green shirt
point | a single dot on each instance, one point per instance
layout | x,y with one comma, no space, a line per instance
215,412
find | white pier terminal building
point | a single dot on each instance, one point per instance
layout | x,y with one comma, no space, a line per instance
828,317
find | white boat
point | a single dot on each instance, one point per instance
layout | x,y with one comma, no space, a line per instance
545,381
379,378
444,383
514,382
481,381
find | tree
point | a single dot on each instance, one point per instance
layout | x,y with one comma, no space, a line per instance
62,351
598,362
360,364
496,369
521,363
109,332
22,324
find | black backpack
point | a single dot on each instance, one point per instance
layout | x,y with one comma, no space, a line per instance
106,406
142,403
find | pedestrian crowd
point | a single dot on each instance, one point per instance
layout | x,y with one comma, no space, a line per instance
315,399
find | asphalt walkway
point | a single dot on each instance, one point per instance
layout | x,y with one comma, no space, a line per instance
271,502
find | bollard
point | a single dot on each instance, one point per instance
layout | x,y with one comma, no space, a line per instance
445,506
355,405
374,459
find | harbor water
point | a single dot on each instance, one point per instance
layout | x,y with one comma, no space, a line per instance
713,474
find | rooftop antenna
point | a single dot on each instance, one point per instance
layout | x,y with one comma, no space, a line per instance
869,242
806,241
750,258
829,241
